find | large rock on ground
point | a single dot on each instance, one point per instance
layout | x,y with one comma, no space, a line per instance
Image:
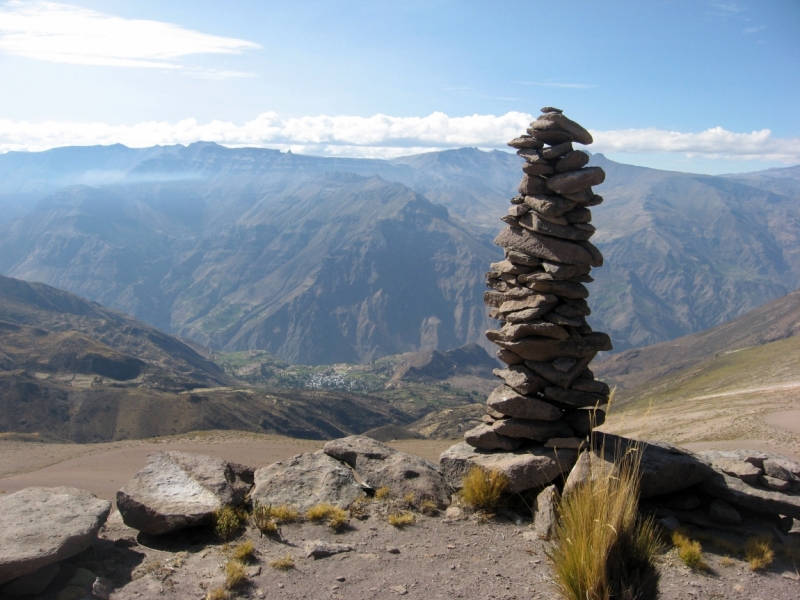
665,468
40,526
305,480
759,499
526,469
177,490
379,465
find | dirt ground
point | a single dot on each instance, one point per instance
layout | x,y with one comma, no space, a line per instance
433,558
104,468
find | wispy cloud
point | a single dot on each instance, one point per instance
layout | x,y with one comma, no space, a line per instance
754,29
63,33
382,136
728,7
555,84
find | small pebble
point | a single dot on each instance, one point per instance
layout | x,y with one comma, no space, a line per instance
340,578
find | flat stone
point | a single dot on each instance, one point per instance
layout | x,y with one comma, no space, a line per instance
528,315
33,583
735,463
545,514
595,200
549,206
516,331
581,421
525,468
548,109
525,141
506,266
579,214
40,526
522,259
517,210
782,468
572,311
532,185
591,385
546,349
544,246
562,271
509,357
552,137
537,169
722,512
539,431
575,181
665,468
597,256
485,437
555,121
379,465
455,513
321,549
572,161
305,480
176,490
556,151
508,402
532,222
563,289
739,493
521,379
574,398
534,301
559,319
774,483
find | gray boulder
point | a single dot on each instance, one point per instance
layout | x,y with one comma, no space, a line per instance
736,491
379,465
176,490
744,464
305,480
545,512
526,468
40,526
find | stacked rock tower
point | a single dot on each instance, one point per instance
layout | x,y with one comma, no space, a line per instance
550,396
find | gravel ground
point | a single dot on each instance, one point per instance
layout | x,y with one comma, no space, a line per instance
433,558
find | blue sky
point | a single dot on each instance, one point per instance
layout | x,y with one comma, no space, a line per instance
702,85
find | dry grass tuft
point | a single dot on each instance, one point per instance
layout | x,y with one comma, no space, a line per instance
726,561
234,574
401,519
428,507
284,563
410,499
285,514
243,552
382,493
226,522
482,488
262,519
758,552
217,594
358,509
336,517
601,547
689,551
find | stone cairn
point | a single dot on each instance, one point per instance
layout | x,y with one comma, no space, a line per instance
550,396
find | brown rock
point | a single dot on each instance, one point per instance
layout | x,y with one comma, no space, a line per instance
40,526
574,397
508,402
739,493
516,331
553,121
544,349
552,137
545,512
563,289
591,385
545,247
722,512
525,316
484,437
774,483
547,370
320,548
579,214
537,169
532,222
548,109
521,379
573,443
556,151
509,357
782,468
506,266
525,141
582,421
550,206
597,257
531,185
575,181
540,431
529,302
562,271
522,259
572,161
526,469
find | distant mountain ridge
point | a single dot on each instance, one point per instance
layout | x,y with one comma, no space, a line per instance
321,260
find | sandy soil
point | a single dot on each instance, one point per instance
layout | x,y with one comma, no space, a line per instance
764,418
105,468
434,558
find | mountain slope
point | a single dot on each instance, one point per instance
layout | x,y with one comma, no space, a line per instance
649,371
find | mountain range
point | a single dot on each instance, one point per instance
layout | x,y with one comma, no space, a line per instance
322,260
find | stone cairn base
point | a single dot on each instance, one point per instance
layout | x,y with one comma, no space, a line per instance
550,396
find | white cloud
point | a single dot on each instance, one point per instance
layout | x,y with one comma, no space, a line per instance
754,29
382,136
554,84
62,33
